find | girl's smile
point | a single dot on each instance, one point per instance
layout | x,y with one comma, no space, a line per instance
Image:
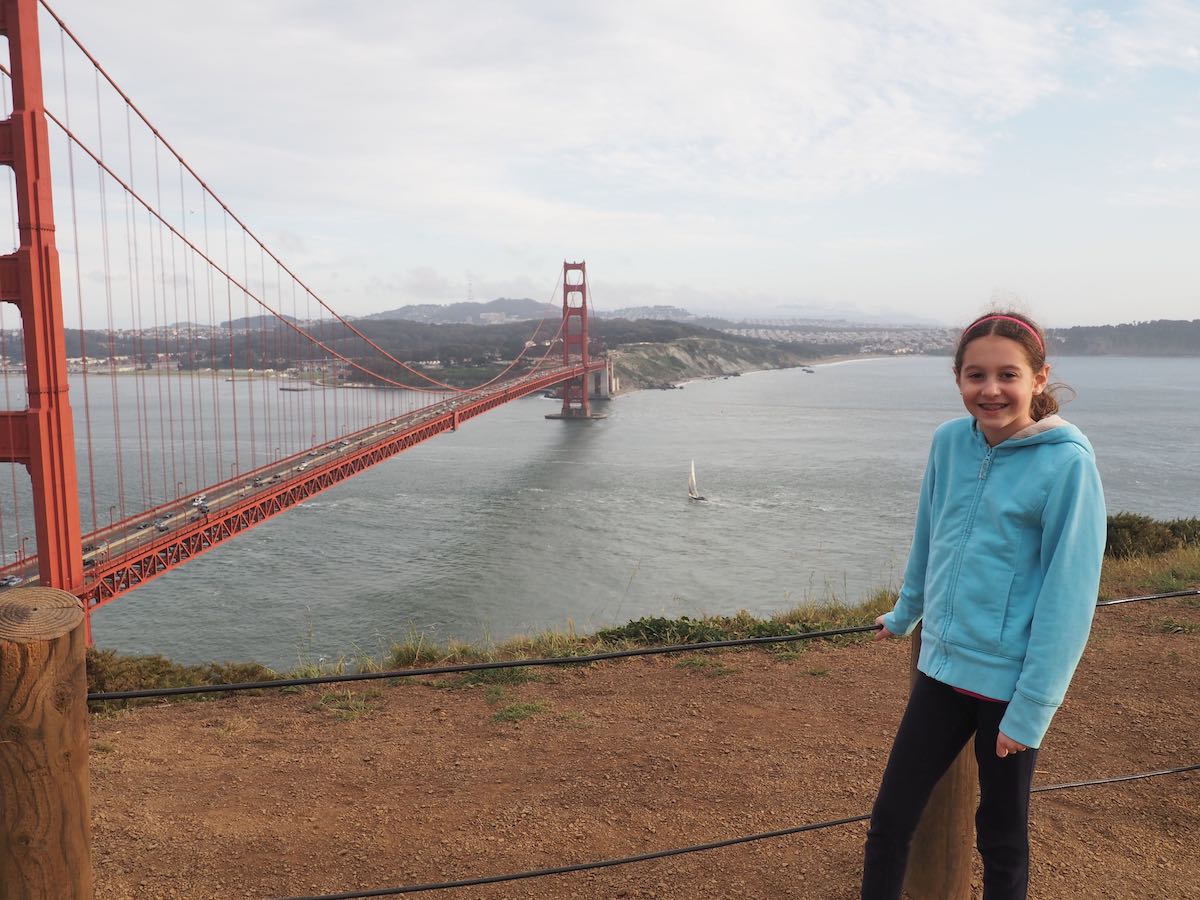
998,386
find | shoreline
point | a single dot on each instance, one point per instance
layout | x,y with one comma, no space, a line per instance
1138,575
824,362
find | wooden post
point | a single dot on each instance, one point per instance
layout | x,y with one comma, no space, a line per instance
939,862
45,809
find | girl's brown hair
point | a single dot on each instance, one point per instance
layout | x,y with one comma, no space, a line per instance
1020,328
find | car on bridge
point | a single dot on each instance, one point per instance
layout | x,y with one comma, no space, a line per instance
11,581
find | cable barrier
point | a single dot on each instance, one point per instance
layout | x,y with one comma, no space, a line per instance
148,693
695,848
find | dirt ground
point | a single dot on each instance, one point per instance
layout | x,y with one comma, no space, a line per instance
312,792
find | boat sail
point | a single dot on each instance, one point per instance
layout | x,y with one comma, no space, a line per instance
693,494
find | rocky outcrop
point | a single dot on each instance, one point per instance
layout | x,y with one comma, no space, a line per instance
665,365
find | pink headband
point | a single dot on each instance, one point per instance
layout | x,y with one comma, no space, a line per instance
1037,337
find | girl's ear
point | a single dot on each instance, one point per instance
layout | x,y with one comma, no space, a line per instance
1041,379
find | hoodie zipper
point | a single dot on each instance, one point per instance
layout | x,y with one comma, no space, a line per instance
985,468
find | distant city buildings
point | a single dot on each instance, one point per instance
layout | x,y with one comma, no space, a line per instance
896,339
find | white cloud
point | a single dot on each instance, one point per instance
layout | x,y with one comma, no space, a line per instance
764,151
1152,34
1161,197
1174,161
772,99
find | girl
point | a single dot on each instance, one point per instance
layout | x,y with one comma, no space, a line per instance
1004,570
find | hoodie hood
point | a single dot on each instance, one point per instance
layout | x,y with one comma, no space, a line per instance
1053,429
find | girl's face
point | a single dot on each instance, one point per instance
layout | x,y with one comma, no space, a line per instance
998,386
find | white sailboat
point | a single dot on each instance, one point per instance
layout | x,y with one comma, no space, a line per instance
693,494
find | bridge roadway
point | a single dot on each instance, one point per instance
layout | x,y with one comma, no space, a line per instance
118,558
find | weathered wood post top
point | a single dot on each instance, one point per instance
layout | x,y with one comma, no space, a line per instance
45,808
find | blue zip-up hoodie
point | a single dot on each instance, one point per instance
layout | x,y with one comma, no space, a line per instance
1005,566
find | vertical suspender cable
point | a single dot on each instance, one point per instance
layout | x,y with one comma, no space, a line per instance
279,352
138,355
252,369
83,346
265,351
232,361
108,307
293,354
213,380
171,330
325,373
178,333
191,311
159,290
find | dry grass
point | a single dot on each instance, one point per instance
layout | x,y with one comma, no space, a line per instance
1175,570
1132,576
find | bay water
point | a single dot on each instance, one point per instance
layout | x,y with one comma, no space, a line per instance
517,523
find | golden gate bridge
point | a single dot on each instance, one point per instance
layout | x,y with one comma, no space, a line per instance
169,382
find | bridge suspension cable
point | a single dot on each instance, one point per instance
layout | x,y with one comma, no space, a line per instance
201,359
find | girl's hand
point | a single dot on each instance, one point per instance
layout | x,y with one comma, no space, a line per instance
1006,745
882,634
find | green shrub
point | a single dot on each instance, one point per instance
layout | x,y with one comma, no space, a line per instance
1187,530
660,630
1130,534
108,670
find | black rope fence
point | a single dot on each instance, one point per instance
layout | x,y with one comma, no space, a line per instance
461,668
695,848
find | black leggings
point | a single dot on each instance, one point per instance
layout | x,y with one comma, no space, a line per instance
936,726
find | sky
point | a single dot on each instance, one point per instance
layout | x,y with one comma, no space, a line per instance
918,160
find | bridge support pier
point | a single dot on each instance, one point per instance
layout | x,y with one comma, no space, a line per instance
45,808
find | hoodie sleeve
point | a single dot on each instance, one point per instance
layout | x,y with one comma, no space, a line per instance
1072,550
909,607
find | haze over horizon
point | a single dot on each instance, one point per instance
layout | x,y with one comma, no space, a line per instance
878,161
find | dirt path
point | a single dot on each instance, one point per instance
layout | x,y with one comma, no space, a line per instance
308,793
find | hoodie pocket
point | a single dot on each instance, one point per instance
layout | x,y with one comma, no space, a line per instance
980,614
1018,618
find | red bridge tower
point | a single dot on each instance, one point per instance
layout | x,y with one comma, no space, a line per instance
575,339
41,436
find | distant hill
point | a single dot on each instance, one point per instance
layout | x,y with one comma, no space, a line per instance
1161,337
657,313
494,312
256,323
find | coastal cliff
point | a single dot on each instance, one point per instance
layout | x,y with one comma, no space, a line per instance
664,365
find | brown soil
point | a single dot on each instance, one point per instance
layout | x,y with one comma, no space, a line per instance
285,794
